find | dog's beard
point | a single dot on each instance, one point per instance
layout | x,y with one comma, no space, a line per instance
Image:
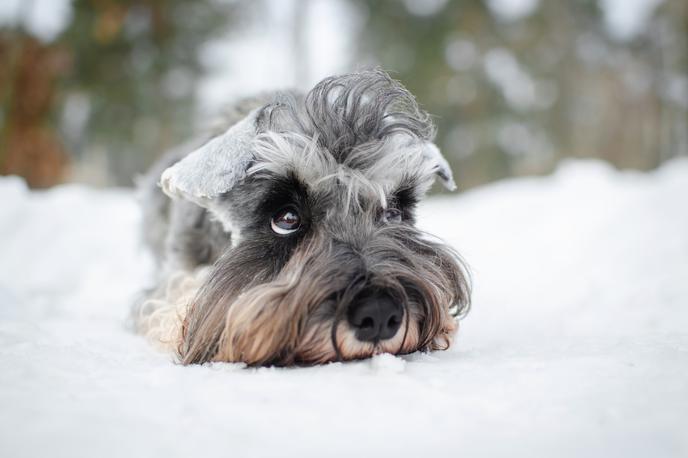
254,311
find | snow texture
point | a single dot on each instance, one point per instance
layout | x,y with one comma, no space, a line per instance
577,344
44,19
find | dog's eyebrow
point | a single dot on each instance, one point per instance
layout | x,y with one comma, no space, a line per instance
405,194
284,190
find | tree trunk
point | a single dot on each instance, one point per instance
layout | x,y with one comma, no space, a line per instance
29,145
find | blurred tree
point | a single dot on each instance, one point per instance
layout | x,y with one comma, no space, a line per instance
515,85
29,146
119,83
135,63
515,92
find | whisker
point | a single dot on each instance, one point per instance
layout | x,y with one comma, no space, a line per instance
333,337
406,329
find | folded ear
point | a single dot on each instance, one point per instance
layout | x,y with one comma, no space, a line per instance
442,169
215,167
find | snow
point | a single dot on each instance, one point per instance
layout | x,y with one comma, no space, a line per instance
625,19
511,10
425,7
44,19
262,54
576,344
511,78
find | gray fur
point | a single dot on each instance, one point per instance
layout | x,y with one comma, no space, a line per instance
351,111
182,233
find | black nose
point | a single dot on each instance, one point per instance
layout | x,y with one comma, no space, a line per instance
375,317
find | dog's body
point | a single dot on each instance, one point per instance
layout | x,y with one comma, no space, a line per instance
290,234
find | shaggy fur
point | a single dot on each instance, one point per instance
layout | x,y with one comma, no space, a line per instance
341,157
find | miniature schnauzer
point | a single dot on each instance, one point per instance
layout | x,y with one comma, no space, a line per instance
286,234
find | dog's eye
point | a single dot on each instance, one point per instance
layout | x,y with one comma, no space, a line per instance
392,215
285,221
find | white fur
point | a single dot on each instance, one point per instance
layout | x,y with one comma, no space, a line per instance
160,316
433,154
215,167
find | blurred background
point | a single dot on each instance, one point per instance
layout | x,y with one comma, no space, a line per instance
93,91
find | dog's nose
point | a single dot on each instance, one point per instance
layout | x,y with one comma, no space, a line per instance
375,318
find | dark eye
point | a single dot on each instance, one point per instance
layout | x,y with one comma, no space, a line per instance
285,221
392,215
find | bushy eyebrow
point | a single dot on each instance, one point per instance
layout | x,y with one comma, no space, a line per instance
405,195
284,190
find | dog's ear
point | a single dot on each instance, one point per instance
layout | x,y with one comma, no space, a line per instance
442,169
215,167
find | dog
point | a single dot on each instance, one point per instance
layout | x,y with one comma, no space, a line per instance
286,234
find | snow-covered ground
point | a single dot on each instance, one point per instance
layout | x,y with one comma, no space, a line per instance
577,344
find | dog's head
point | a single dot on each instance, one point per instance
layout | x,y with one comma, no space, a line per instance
326,264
